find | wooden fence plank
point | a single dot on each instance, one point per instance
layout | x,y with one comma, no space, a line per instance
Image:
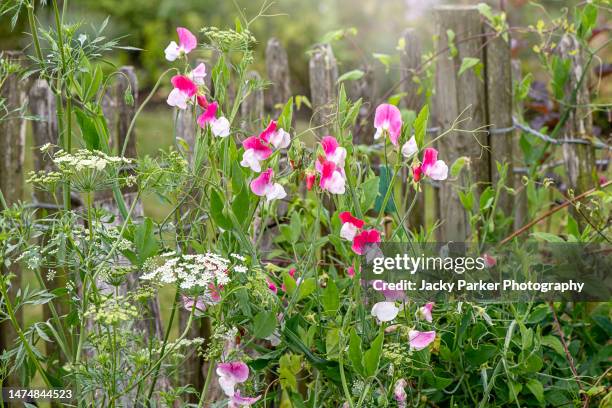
277,66
454,93
252,107
499,111
12,144
579,158
521,211
323,74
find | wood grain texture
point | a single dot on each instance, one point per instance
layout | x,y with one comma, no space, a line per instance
579,158
498,74
12,144
521,210
455,93
323,75
277,66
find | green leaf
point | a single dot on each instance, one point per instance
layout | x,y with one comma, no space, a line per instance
560,72
332,340
295,227
331,298
485,10
469,63
524,86
554,343
478,356
370,190
384,59
88,130
217,204
537,389
286,117
420,126
458,166
355,352
450,36
264,324
290,285
386,174
351,76
145,241
486,198
241,206
546,236
306,288
371,357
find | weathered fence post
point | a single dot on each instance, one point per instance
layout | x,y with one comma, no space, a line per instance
413,100
520,199
579,158
323,76
499,110
12,142
277,66
454,93
42,105
363,88
252,107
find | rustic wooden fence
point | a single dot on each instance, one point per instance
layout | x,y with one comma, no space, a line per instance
488,99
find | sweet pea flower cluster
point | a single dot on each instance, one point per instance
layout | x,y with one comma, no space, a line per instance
430,167
231,374
188,89
260,148
352,231
387,311
329,167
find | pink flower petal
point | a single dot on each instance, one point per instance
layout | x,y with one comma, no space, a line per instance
178,99
184,84
187,40
198,74
237,370
330,144
240,401
172,51
263,151
417,173
351,271
425,311
430,156
261,184
346,216
208,115
310,180
439,171
410,148
419,340
363,239
389,118
268,132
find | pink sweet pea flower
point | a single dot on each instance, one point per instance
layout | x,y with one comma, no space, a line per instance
219,126
187,42
364,239
489,261
419,340
272,287
425,311
255,151
198,74
292,272
189,303
239,401
385,311
184,90
351,271
333,151
230,374
431,166
393,295
410,148
388,118
332,179
310,180
263,186
276,136
399,393
350,225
